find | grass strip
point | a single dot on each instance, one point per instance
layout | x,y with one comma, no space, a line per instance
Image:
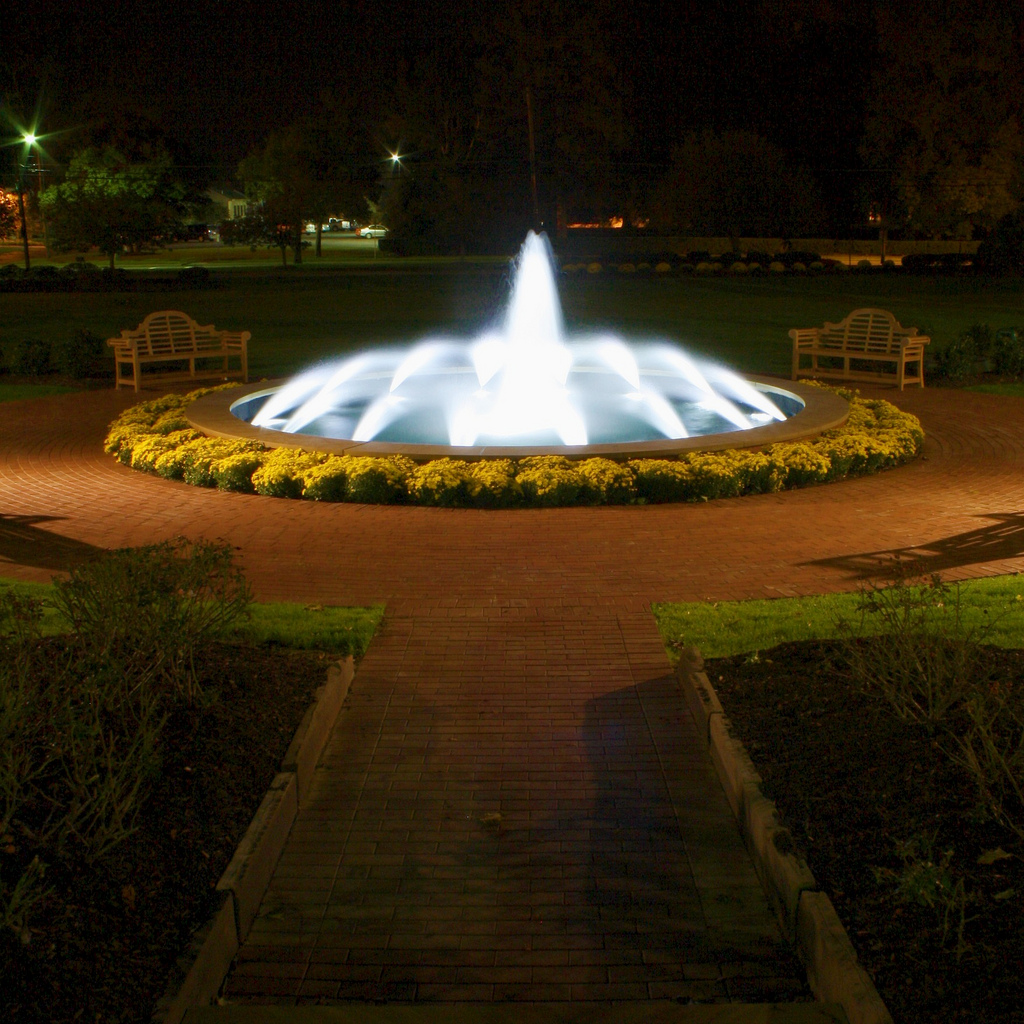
17,392
313,627
722,629
1012,389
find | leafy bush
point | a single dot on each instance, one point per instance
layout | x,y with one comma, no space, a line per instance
28,357
200,456
1008,353
81,718
327,481
933,671
441,482
604,482
549,480
78,356
962,358
235,472
493,483
803,463
659,480
378,481
150,437
280,472
153,606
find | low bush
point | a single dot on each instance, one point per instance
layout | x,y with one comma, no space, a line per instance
154,437
78,356
441,482
280,474
326,481
28,357
933,671
378,481
81,718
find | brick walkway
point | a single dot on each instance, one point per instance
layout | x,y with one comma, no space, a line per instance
513,805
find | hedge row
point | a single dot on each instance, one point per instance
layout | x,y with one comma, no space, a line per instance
156,437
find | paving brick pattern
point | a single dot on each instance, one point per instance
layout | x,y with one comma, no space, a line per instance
513,805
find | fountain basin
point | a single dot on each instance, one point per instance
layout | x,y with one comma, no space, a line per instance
225,414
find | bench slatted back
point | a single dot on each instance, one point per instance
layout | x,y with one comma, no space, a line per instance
865,330
170,332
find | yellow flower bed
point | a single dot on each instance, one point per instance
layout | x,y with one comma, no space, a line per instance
155,437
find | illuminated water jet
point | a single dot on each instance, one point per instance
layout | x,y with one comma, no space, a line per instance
524,386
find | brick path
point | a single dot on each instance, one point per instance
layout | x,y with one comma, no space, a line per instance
512,805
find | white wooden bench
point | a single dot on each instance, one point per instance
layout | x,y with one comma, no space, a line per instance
171,336
865,336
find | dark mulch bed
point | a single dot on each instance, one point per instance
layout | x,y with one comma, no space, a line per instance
102,947
852,782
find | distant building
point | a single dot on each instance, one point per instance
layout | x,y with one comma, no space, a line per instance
230,200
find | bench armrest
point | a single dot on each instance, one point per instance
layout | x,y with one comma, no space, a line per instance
805,336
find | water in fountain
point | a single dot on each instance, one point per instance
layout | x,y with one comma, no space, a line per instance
524,383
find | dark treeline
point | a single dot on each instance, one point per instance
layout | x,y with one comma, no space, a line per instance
775,117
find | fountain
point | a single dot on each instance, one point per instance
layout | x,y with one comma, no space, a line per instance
523,388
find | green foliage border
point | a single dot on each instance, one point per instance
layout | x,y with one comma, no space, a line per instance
155,436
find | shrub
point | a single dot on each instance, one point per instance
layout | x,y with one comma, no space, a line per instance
1008,353
144,453
604,482
962,358
235,472
280,474
932,671
803,463
377,481
153,606
29,357
200,456
78,356
327,481
549,480
876,435
659,480
441,482
81,719
493,483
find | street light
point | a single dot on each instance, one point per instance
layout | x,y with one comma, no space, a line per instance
29,140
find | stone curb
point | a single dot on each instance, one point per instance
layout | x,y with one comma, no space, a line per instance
203,967
805,914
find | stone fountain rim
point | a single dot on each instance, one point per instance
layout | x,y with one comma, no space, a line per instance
823,410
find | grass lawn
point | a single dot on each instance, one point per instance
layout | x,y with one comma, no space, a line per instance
1014,389
331,630
994,606
320,309
16,392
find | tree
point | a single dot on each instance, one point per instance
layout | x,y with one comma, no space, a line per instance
111,203
312,169
515,119
548,86
9,220
733,184
946,110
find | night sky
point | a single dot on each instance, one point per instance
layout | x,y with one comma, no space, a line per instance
217,76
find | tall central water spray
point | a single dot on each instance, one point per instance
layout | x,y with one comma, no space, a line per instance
522,384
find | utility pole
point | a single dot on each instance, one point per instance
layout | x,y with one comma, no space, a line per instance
24,220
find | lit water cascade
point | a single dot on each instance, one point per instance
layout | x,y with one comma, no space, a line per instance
525,383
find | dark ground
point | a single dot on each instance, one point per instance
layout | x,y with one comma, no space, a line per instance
893,832
102,946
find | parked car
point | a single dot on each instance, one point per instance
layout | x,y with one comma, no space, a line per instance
373,231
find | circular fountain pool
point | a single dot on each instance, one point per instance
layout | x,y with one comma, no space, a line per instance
526,387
